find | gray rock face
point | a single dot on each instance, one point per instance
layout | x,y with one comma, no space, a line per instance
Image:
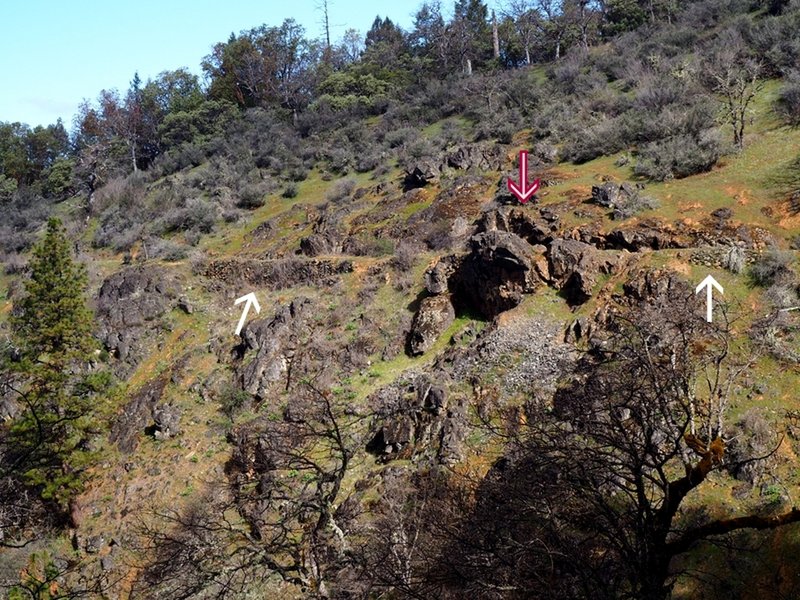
636,239
475,156
129,307
435,315
437,278
274,342
612,195
422,173
138,414
651,284
533,228
167,418
498,272
468,157
277,274
575,268
414,415
318,244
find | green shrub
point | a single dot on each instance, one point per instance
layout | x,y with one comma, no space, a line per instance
233,399
290,191
772,267
251,196
679,156
789,99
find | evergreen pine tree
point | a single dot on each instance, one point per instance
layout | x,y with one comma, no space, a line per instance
51,331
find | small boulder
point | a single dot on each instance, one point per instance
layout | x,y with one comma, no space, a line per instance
435,314
167,419
575,268
421,174
185,305
607,195
437,277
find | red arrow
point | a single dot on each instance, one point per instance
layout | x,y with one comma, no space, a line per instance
522,191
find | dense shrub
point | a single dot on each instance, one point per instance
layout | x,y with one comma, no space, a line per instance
405,256
340,159
251,196
340,190
232,399
163,249
14,264
679,156
605,137
290,191
20,219
789,99
500,127
771,267
197,214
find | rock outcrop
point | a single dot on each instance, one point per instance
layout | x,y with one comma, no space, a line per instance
497,273
130,304
613,195
278,274
468,157
533,228
137,416
166,421
575,268
421,173
415,415
435,315
437,278
274,342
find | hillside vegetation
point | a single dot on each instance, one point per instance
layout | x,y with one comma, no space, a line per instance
447,393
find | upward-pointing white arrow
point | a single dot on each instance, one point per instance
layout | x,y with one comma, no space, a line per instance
251,301
709,283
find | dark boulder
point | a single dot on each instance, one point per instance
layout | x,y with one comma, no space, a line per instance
421,174
497,273
575,268
437,278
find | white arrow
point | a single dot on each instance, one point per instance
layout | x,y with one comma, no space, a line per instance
251,301
709,283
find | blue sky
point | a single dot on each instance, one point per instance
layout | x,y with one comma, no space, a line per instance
55,53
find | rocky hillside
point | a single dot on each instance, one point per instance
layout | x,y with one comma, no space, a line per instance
370,432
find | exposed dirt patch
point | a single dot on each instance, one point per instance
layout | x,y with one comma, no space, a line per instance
679,266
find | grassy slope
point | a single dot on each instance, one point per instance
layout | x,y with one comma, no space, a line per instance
164,471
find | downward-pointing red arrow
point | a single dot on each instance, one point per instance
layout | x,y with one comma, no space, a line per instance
523,191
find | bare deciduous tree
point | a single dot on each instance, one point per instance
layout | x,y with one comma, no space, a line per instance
734,77
284,514
589,500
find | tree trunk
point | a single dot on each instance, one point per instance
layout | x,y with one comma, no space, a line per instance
495,37
527,55
133,156
468,67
